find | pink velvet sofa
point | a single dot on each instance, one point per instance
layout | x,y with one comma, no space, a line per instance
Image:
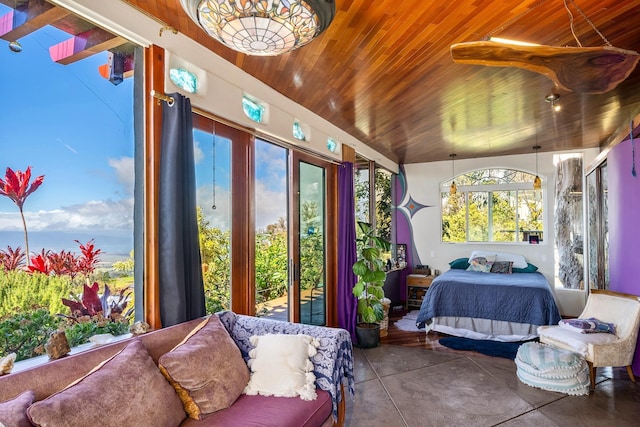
332,366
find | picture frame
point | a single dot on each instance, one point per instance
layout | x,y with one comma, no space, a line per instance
534,240
401,252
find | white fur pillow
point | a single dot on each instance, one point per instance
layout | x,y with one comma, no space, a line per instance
280,366
518,260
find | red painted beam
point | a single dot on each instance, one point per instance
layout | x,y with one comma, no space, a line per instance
84,45
29,17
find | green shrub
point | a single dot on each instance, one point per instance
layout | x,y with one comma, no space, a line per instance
26,333
79,333
22,291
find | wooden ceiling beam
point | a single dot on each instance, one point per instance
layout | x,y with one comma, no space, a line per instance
84,45
29,17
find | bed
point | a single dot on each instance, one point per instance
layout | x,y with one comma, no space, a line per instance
489,306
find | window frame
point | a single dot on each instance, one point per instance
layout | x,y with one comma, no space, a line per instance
489,189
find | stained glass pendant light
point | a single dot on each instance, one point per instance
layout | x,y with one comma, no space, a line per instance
453,189
537,182
259,27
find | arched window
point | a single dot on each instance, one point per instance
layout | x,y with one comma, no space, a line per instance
492,205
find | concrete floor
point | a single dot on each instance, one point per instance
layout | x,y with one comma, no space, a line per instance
411,386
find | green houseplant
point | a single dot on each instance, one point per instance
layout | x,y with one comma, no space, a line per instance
369,288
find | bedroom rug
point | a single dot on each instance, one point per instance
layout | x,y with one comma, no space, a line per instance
408,322
508,350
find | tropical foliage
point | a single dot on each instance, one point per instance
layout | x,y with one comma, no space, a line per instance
371,275
26,333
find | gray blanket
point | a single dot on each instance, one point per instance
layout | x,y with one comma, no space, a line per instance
519,297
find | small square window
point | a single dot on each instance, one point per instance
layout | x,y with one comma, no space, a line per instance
253,109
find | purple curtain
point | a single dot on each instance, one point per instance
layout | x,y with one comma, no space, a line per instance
180,272
347,256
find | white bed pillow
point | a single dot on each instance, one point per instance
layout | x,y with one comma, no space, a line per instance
519,261
280,366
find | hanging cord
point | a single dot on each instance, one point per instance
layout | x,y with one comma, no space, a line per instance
566,6
213,168
633,151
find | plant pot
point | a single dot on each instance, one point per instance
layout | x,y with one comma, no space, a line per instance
368,335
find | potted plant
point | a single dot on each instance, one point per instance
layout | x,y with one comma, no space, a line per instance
368,290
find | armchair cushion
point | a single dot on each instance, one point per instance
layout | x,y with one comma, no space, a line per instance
573,340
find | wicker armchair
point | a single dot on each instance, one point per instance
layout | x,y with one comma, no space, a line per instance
599,349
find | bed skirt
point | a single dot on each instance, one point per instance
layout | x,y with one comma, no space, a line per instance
483,329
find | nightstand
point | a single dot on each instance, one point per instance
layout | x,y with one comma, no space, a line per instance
417,286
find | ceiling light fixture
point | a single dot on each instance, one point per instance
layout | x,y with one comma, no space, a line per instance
537,182
552,98
262,28
454,188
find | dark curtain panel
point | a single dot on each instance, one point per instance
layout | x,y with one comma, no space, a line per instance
347,255
180,275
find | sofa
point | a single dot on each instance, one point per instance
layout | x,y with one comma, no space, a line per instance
192,374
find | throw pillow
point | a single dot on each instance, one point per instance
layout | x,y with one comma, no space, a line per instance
206,369
459,264
502,267
280,366
588,326
519,261
529,269
482,264
13,413
125,390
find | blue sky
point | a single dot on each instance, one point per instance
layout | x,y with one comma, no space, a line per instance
76,128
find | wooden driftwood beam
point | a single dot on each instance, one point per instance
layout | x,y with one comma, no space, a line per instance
579,69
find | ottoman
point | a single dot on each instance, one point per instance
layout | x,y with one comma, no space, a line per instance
550,368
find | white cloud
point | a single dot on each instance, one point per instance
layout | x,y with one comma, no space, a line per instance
220,216
92,215
198,154
270,205
124,167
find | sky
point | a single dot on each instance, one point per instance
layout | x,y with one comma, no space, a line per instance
76,128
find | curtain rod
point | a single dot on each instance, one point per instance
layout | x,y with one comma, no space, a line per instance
270,138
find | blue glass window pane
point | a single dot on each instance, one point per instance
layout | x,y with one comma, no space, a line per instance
184,79
252,109
298,133
332,145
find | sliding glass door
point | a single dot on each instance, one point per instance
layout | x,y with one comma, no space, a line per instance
310,245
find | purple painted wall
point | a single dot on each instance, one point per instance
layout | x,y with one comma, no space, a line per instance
624,224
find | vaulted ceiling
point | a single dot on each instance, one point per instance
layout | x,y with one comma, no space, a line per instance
383,72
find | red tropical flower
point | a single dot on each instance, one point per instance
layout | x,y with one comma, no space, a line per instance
16,187
11,259
87,262
40,263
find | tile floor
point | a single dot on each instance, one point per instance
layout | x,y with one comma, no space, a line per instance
413,386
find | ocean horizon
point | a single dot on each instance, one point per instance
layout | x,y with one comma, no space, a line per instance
114,245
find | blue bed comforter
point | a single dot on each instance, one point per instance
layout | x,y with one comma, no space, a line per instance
520,297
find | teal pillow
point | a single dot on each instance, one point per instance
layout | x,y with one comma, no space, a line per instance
459,264
529,269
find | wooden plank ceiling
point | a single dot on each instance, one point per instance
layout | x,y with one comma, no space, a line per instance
383,72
